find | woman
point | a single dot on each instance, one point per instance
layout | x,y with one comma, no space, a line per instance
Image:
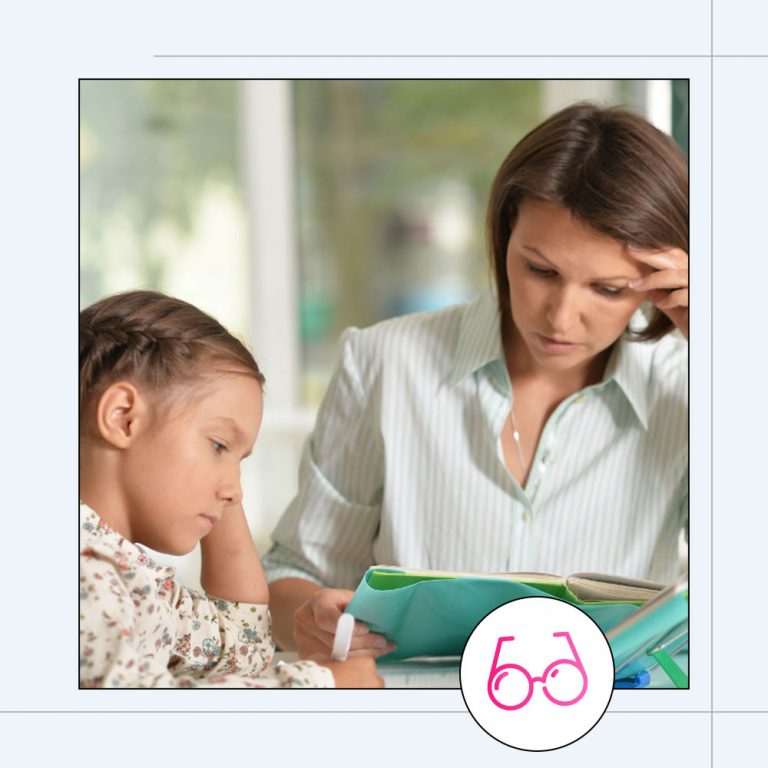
541,429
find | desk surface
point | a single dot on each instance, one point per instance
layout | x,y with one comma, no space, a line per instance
441,673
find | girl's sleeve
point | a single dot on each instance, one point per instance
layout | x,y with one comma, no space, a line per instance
132,636
109,646
222,640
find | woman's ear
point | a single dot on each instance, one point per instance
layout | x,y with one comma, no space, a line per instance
120,414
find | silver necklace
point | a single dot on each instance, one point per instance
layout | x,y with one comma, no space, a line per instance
516,438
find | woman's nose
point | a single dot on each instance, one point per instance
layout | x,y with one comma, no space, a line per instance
563,310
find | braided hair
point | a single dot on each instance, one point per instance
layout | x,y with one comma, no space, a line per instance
156,341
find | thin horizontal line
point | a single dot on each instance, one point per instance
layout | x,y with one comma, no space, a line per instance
234,712
459,56
345,712
424,56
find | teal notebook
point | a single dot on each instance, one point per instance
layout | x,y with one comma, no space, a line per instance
430,613
652,635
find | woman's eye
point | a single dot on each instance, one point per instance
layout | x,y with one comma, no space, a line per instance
540,271
607,290
218,447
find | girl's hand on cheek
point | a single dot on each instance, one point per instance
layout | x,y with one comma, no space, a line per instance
666,287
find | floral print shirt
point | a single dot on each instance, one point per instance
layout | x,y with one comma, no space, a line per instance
139,628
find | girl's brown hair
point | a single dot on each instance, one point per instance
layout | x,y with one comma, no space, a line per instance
155,341
612,169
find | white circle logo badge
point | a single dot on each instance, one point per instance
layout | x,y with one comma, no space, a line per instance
537,673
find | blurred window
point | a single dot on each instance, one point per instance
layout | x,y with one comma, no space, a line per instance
392,182
161,204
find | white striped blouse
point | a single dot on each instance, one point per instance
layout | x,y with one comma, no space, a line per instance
405,465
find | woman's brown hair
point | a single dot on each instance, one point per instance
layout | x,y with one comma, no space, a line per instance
612,169
155,341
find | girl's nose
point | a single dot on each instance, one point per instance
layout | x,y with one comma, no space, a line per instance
231,491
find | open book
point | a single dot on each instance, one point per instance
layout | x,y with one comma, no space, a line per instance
432,613
578,587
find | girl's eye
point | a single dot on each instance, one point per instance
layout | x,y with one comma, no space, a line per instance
540,271
607,290
218,447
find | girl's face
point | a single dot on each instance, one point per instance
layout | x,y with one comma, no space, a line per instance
183,472
567,286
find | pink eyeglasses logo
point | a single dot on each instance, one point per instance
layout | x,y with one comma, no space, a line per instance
511,686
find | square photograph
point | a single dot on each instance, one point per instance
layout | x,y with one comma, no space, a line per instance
362,361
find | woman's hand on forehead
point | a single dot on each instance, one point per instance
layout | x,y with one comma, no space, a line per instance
667,286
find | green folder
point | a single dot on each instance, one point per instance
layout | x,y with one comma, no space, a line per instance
434,615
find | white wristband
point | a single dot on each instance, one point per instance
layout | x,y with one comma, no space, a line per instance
343,638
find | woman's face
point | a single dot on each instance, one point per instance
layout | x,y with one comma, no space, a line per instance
567,286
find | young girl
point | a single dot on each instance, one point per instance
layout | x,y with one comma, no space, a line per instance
170,404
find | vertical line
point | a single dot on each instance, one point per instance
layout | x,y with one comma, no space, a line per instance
712,383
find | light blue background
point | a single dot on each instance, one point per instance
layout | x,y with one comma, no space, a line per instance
45,52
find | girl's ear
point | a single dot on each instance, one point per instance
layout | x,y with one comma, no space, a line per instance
121,412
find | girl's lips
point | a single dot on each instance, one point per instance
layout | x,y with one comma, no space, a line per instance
210,520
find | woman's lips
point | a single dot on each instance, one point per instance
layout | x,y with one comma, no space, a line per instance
556,345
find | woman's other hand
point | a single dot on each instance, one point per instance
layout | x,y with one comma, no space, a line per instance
315,627
667,285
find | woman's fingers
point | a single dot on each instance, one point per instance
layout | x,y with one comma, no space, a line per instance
315,627
310,644
371,641
669,258
674,305
375,652
311,639
666,287
320,644
666,278
670,300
